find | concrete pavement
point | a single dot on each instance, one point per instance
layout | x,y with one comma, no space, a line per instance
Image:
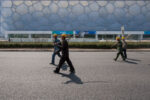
28,76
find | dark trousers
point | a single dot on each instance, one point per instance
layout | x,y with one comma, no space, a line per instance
53,56
120,53
125,53
62,60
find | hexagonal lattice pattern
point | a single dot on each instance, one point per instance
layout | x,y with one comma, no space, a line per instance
74,15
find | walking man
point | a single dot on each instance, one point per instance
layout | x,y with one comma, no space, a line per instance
119,49
56,42
124,47
65,55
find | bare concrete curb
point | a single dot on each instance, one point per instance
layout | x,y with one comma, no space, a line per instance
71,50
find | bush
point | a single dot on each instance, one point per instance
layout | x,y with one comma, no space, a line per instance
86,45
25,45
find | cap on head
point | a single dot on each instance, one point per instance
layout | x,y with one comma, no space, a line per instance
64,35
55,35
123,37
117,38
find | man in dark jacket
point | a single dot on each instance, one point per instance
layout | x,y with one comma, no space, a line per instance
65,55
119,49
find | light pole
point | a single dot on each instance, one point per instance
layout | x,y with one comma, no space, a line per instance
122,30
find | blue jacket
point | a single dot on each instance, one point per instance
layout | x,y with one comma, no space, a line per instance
56,46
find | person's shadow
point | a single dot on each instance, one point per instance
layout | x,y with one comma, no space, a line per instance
73,78
131,62
133,59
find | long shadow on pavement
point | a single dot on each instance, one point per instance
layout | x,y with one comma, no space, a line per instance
133,59
131,62
127,61
97,82
73,78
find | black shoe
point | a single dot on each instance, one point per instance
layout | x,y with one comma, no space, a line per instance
115,59
56,71
52,63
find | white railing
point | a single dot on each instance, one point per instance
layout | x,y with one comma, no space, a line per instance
30,39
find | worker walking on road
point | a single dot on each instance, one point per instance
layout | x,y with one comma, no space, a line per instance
56,42
124,47
65,55
119,49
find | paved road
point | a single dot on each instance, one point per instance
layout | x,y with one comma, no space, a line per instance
28,76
